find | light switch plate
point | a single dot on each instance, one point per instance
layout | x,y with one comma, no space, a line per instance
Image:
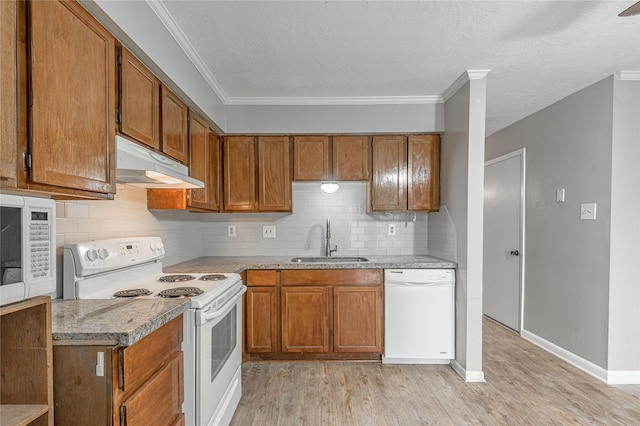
268,231
588,211
560,195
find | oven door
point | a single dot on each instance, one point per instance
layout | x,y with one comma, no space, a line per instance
218,360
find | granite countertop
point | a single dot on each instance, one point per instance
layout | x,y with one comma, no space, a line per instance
220,264
111,321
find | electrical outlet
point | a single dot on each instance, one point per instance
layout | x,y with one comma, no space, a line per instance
231,231
268,231
588,211
391,229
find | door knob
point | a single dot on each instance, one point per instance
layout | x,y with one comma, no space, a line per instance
514,253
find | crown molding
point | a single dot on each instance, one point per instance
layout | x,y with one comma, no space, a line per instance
355,100
628,75
170,24
466,76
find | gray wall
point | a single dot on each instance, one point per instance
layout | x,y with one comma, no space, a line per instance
567,265
624,276
461,191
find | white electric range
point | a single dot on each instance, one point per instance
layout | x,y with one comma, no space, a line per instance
132,268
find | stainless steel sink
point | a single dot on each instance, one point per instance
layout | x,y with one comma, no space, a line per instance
323,259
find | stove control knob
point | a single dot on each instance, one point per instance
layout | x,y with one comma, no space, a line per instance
160,247
92,254
103,253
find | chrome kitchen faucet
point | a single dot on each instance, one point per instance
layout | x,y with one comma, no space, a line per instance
328,249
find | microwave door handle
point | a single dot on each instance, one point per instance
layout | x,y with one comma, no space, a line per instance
210,316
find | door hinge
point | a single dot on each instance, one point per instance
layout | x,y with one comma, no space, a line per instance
26,160
118,117
118,58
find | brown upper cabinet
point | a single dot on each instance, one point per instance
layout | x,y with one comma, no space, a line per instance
337,157
274,174
204,164
174,126
139,101
239,176
406,173
66,101
268,159
9,90
311,158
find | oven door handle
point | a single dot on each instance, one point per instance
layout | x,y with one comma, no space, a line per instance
207,316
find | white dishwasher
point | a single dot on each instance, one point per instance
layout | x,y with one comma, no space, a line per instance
419,316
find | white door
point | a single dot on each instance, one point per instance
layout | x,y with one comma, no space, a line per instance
503,239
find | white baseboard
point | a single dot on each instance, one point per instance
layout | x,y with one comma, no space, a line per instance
467,376
608,377
623,377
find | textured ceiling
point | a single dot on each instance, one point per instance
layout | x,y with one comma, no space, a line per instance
295,52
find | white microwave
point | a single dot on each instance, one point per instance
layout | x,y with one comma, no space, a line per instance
27,247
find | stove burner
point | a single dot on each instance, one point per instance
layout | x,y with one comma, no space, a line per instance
176,278
213,277
181,292
132,293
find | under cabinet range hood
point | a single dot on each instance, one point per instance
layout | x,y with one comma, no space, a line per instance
140,166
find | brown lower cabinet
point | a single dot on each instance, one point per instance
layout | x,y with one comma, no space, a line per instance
314,314
137,385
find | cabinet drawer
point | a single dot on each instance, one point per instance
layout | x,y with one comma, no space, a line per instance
158,402
331,277
142,360
261,278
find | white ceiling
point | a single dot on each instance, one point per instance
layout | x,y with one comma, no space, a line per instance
324,52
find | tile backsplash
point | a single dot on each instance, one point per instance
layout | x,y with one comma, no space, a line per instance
190,235
303,232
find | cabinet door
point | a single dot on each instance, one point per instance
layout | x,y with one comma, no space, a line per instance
198,159
311,158
389,185
9,91
81,396
139,101
239,173
72,69
174,126
158,401
305,319
357,319
262,319
423,173
213,172
350,157
274,174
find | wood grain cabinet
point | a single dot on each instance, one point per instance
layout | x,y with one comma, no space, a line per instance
26,382
9,93
256,174
318,158
314,314
406,173
263,301
142,384
71,110
274,174
175,133
204,160
139,101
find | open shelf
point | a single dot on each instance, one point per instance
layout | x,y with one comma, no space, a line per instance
26,362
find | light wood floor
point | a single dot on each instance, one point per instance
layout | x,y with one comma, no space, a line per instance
524,386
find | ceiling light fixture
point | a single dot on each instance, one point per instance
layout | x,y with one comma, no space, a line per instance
329,187
634,9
